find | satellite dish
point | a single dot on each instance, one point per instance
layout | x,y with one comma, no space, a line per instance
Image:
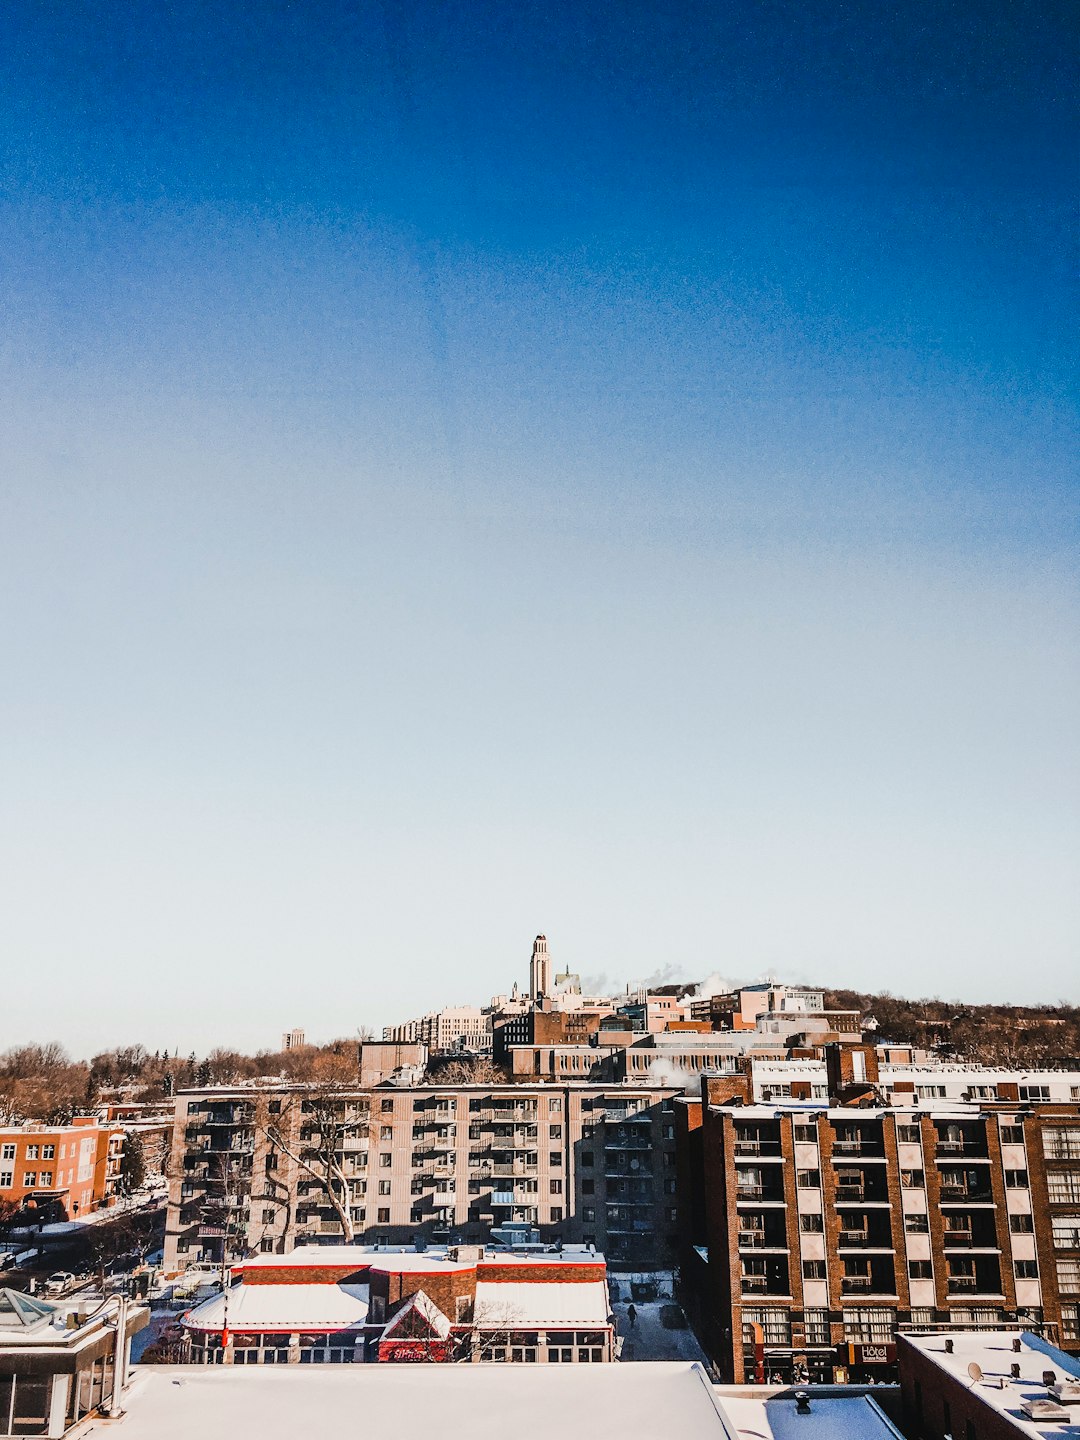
975,1371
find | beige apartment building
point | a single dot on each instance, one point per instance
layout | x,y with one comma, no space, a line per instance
578,1163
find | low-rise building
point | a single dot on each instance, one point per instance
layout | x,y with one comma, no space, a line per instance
341,1304
60,1363
63,1171
988,1385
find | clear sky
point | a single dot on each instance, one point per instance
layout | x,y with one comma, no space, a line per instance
469,469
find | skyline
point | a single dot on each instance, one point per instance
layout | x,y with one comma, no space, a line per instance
465,473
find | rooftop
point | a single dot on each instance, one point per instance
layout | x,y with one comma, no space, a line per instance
982,1362
417,1262
414,1402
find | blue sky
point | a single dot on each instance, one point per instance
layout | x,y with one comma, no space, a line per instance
473,470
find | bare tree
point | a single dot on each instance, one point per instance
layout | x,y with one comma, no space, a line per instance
317,1126
470,1070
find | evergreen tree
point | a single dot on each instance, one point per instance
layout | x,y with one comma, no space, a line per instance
132,1165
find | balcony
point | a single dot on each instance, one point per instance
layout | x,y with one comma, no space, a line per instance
856,1285
961,1284
965,1195
759,1149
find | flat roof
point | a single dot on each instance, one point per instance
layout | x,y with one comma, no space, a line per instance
415,1402
408,1261
992,1351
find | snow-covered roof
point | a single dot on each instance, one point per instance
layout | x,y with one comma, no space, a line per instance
282,1308
415,1402
435,1261
833,1417
992,1351
542,1303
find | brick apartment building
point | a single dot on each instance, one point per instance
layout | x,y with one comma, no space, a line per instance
62,1170
341,1304
812,1232
577,1163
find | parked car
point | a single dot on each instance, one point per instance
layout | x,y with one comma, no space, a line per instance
58,1282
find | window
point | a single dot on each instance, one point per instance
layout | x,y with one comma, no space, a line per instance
668,1132
555,1105
7,1179
268,1217
386,1132
816,1325
811,1224
48,1152
775,1325
1016,1179
384,1215
917,1224
1068,1276
385,1161
554,1157
912,1179
554,1132
1012,1134
1070,1322
920,1270
555,1187
813,1269
271,1161
805,1134
909,1134
46,1177
808,1179
930,1092
29,1178
588,1157
869,1327
7,1152
31,1152
1035,1092
387,1107
274,1107
266,1244
556,1214
1063,1187
1066,1232
1062,1143
1021,1224
384,1187
588,1187
1026,1270
588,1214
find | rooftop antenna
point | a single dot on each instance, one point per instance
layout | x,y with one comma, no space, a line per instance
975,1371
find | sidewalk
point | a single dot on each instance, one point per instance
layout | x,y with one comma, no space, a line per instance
650,1339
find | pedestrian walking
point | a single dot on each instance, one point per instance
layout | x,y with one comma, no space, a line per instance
631,1314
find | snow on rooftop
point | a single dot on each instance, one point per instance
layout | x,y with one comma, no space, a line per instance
832,1417
407,1261
283,1308
542,1303
993,1352
415,1402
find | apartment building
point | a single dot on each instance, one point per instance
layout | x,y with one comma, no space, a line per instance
577,1163
64,1170
813,1232
457,1028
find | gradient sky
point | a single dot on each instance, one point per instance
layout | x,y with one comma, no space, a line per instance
473,469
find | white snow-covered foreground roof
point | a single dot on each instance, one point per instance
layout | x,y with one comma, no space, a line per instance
581,1302
472,1402
415,1402
283,1308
